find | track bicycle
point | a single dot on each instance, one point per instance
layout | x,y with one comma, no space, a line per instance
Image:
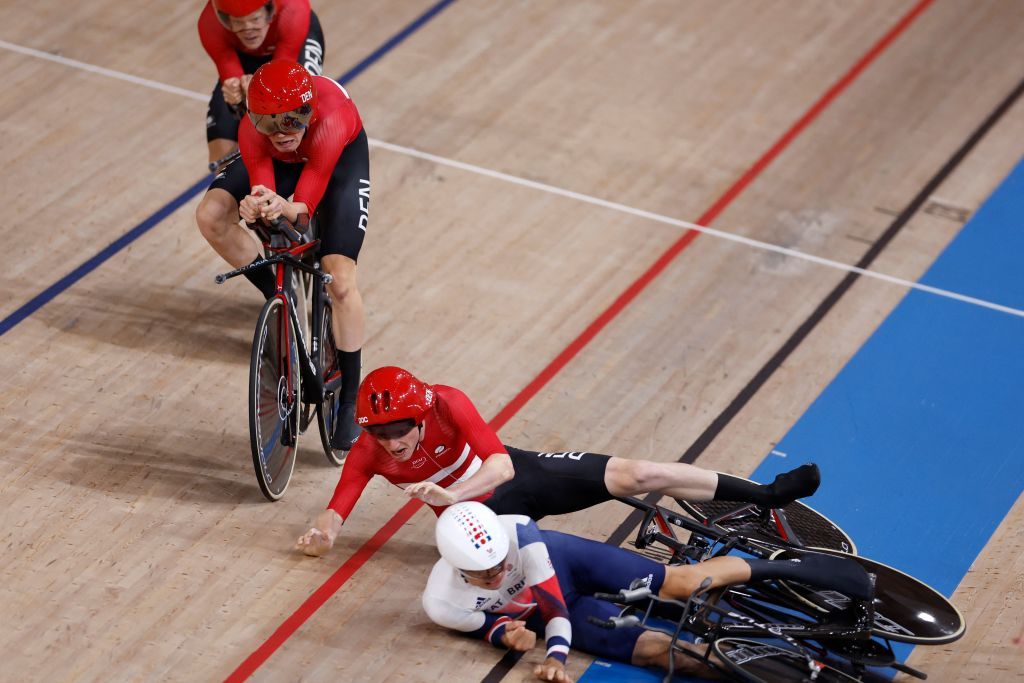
794,525
293,370
776,631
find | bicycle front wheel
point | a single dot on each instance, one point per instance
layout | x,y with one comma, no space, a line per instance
761,662
274,390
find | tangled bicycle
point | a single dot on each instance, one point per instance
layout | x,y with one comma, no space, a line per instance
780,631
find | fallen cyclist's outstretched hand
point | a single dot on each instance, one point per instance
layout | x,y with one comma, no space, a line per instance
314,542
517,637
430,493
552,670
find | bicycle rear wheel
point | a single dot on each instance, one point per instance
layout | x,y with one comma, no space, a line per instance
274,390
327,414
906,609
798,524
761,662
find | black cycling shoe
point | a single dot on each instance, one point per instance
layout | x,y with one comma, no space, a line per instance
346,431
798,483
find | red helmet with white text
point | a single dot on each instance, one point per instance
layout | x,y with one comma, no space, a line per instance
281,97
390,394
225,9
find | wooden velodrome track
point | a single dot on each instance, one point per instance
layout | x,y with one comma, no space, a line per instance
136,544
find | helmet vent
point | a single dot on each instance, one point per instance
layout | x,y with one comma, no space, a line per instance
380,403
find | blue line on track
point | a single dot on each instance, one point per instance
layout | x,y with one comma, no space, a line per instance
48,294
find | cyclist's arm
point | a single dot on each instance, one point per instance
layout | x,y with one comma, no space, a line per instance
497,466
292,26
213,37
331,135
354,478
540,575
451,608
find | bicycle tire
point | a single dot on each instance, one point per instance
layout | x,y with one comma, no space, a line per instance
813,528
274,390
762,662
907,609
327,413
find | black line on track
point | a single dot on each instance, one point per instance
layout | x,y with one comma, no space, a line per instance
800,334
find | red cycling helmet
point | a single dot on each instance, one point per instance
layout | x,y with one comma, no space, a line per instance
391,394
281,97
225,9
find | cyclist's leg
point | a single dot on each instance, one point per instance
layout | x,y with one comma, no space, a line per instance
652,649
825,571
342,216
217,218
552,483
625,477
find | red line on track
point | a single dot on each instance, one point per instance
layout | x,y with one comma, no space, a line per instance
367,550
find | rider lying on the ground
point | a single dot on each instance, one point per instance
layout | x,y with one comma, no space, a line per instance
502,579
431,441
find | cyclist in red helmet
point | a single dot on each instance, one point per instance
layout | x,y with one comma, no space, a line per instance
302,138
242,35
431,441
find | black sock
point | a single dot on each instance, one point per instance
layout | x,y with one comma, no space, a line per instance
262,279
843,574
350,365
734,488
784,489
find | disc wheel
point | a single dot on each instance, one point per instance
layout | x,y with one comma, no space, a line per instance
327,414
274,390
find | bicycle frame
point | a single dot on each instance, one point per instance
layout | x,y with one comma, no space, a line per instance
286,250
707,535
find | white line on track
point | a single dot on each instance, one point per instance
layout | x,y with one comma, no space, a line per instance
551,189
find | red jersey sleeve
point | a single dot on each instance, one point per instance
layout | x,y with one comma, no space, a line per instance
256,155
336,130
292,21
481,438
216,41
355,476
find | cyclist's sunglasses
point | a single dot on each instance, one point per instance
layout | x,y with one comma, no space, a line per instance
391,430
484,574
286,122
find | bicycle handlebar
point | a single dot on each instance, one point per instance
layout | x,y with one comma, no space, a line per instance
628,621
626,595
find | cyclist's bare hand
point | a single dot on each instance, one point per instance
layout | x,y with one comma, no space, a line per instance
233,89
517,637
430,493
271,204
551,670
314,542
245,84
249,208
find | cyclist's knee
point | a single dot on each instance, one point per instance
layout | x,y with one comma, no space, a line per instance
216,214
628,477
682,580
343,272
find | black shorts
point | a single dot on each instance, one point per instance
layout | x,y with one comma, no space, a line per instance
551,484
341,218
221,122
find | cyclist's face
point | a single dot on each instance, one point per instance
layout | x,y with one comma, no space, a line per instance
400,447
486,578
286,142
252,28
